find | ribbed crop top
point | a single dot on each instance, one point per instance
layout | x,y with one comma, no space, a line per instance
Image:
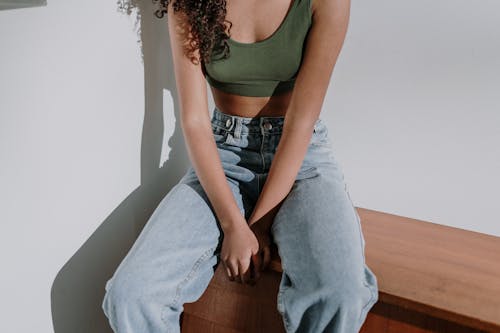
267,67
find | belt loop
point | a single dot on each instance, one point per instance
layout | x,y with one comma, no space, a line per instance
231,117
237,129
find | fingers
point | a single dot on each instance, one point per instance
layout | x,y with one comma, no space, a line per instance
248,271
244,269
241,271
231,270
229,274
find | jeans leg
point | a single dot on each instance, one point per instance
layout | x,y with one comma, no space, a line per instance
171,262
326,285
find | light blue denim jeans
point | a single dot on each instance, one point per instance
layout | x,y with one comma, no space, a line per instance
326,285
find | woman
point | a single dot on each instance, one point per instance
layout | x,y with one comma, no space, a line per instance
262,168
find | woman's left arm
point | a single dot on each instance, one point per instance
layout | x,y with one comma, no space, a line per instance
324,42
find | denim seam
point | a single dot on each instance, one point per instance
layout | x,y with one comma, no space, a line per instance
258,184
281,304
372,290
358,219
364,310
263,137
281,309
179,287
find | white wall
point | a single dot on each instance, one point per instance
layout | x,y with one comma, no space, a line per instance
89,143
80,145
414,110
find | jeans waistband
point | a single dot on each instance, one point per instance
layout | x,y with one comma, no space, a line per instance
261,124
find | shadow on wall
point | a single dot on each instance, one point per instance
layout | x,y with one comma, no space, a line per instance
78,289
17,4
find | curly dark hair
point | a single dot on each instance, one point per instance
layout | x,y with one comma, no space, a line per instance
206,29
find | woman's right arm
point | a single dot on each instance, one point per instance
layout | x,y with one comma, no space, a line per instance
240,242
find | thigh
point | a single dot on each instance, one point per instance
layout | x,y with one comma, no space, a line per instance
177,250
326,283
317,229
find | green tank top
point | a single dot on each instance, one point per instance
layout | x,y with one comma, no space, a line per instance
267,67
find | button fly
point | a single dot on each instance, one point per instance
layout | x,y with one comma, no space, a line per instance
228,122
268,126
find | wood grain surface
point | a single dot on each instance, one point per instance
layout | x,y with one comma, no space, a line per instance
431,277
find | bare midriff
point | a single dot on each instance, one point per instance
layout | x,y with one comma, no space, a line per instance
249,106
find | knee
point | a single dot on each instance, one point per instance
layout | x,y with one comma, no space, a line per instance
353,299
341,308
350,290
123,294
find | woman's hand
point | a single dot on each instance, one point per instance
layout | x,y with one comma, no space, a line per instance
238,247
262,258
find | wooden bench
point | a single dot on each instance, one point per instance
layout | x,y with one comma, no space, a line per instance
431,277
